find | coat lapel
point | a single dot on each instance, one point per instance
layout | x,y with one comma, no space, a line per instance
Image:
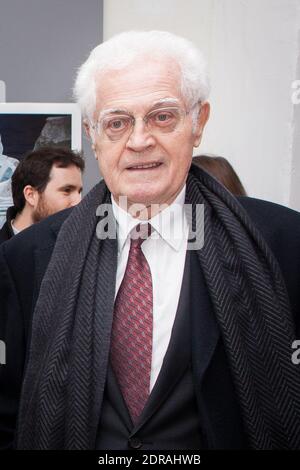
205,331
218,407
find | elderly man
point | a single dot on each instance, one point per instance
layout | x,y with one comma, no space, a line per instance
131,336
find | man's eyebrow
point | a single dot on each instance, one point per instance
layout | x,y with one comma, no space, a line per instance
156,104
164,101
105,112
69,186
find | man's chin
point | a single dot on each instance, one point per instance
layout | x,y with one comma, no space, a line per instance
141,204
37,219
39,216
145,198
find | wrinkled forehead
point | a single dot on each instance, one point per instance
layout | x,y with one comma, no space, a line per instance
138,85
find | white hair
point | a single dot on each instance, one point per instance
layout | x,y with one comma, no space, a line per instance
122,49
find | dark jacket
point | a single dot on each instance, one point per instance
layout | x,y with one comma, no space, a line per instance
23,262
6,231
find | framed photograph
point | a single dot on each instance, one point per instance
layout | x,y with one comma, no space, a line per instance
29,126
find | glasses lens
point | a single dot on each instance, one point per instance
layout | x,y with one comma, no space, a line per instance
165,120
115,127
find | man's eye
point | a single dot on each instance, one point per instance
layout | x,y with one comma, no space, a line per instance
117,124
163,117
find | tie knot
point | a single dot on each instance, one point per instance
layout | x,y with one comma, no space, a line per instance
140,233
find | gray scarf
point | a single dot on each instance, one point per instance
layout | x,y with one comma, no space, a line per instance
65,376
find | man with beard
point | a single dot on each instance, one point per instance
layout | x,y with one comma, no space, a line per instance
46,181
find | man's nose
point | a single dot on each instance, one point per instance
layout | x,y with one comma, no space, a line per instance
140,137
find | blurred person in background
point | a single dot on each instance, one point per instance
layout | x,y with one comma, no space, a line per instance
46,181
7,168
220,168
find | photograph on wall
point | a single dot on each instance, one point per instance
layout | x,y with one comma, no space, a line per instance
28,126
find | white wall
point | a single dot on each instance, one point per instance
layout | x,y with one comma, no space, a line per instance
295,169
252,48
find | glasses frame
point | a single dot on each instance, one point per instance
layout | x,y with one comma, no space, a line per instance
98,126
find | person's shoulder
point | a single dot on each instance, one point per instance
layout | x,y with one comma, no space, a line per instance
262,207
271,218
280,227
4,233
38,236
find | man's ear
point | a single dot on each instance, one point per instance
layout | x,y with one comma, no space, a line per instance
87,128
202,118
89,132
31,195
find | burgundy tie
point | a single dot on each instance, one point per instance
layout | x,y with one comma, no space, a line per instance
131,340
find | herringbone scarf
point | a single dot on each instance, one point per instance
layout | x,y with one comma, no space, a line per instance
69,351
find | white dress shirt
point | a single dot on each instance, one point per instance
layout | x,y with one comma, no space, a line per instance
165,251
14,229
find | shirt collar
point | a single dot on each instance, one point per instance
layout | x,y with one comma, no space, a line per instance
169,224
14,229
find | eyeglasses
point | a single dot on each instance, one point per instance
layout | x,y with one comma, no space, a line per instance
115,127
